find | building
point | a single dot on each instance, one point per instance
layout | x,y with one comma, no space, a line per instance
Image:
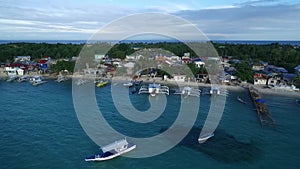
198,62
297,70
260,79
179,77
22,58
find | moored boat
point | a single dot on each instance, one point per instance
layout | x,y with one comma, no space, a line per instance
112,150
36,80
102,83
154,89
128,84
241,100
188,91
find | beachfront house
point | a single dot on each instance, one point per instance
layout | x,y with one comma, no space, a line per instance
179,77
297,70
260,79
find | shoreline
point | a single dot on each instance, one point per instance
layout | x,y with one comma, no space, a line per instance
124,79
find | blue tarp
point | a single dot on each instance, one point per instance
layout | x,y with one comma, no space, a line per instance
260,100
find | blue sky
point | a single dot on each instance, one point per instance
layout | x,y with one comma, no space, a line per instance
218,19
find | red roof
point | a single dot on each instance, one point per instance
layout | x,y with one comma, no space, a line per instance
16,65
43,61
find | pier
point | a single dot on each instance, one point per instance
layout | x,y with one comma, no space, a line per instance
262,110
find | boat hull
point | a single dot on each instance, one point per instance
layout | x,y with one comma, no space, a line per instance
98,159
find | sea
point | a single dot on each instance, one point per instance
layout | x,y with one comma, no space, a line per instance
39,128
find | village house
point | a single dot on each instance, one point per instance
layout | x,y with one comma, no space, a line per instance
260,79
198,62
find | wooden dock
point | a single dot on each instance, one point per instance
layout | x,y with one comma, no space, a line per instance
262,110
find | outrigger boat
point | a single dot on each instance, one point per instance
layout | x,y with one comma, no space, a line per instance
188,91
102,83
36,80
205,137
154,89
241,100
112,150
22,79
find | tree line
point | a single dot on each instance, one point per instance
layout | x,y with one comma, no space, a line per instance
287,56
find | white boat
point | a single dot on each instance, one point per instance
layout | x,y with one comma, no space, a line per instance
80,82
11,78
291,88
154,89
22,79
205,137
241,100
188,91
129,84
36,80
112,150
217,91
61,78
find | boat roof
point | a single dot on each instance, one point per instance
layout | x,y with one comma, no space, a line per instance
114,145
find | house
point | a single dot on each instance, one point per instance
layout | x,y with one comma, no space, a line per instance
258,67
22,58
260,79
297,70
198,62
274,81
11,71
99,57
179,77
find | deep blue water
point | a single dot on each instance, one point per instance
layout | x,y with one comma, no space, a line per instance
39,129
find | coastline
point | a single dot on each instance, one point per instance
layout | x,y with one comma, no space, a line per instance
124,79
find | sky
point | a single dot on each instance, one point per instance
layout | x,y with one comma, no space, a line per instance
217,19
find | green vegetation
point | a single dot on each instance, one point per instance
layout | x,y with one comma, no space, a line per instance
297,81
63,65
287,56
38,50
244,71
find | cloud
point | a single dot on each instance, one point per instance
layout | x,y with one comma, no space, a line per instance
248,22
255,19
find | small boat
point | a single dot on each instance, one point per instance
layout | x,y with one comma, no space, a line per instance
188,91
61,78
11,78
241,100
154,89
102,83
112,150
36,80
80,82
22,79
129,84
205,137
218,91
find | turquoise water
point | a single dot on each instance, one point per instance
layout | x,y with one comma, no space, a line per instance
39,129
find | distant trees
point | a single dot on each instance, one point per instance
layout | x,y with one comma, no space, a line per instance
244,71
63,65
287,56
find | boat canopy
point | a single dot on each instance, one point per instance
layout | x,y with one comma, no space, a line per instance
260,100
114,145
